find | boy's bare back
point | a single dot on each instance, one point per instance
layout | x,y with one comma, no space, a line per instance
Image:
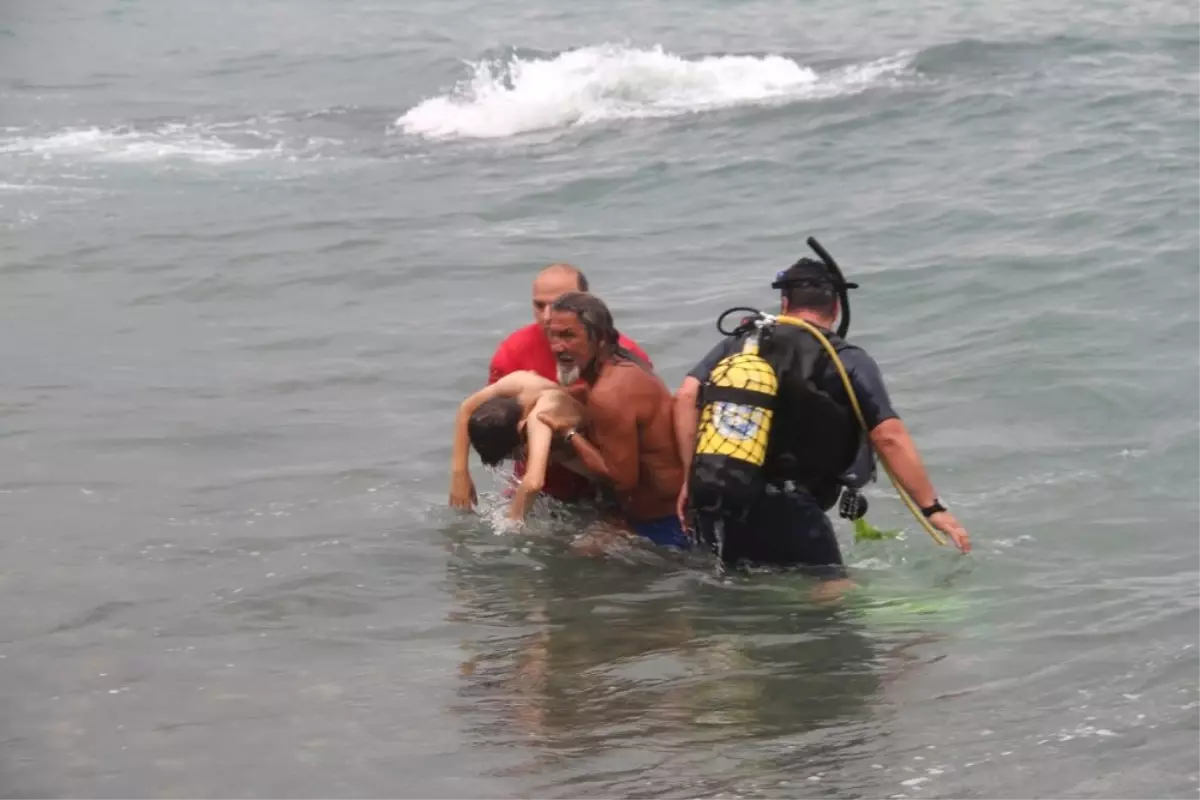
538,395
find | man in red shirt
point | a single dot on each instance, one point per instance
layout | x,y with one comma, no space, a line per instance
528,348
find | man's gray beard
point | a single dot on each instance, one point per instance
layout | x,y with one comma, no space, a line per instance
568,374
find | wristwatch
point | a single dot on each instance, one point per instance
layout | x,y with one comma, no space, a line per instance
933,508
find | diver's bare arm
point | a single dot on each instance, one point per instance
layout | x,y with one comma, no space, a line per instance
537,440
895,446
686,417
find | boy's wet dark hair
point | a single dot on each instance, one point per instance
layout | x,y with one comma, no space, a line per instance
493,430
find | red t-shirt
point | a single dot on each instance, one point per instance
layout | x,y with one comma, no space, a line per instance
528,349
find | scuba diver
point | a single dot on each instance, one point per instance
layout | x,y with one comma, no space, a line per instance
770,435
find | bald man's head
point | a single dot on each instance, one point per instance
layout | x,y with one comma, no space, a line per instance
550,284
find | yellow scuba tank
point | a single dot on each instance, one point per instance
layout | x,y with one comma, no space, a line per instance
733,433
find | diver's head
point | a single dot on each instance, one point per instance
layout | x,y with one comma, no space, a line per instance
495,429
581,332
808,286
550,284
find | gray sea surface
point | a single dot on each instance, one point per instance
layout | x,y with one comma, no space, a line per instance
253,255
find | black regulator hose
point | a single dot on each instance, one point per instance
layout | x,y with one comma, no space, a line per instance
743,326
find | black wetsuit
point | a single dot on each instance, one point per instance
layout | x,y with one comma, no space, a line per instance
788,525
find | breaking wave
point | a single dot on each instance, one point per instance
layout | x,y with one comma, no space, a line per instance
577,87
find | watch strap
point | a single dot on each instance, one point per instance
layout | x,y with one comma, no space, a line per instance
933,508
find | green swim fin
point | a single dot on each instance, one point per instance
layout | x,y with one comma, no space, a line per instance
865,531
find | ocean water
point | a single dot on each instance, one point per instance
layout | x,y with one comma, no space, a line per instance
252,255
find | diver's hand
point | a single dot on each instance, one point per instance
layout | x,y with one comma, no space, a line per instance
681,506
945,522
462,490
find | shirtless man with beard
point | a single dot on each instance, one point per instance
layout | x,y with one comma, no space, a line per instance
629,441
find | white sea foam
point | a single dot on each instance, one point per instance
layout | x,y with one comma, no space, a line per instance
609,82
196,143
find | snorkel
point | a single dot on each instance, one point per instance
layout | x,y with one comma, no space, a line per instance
839,283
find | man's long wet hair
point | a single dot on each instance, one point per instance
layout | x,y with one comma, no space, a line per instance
597,321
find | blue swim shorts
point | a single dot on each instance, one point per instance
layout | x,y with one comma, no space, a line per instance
664,531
